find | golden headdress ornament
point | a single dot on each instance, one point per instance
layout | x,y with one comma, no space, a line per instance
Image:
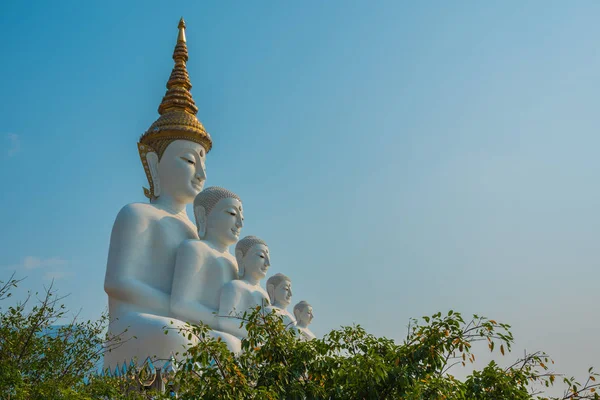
177,113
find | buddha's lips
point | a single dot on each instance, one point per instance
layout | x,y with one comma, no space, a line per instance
197,185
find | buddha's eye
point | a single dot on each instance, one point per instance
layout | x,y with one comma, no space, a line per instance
261,256
232,213
188,160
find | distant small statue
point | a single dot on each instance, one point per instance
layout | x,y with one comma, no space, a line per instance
279,288
304,315
203,266
239,296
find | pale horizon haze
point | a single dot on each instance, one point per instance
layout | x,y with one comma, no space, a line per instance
399,158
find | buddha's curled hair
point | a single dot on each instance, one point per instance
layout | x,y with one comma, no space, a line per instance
301,306
209,197
246,243
276,280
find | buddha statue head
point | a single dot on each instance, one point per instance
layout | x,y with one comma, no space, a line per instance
279,288
219,216
179,172
174,148
303,312
253,258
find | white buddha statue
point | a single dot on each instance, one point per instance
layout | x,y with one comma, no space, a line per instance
239,296
279,288
304,315
145,237
203,266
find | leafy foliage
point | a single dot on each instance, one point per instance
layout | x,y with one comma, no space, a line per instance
39,360
348,363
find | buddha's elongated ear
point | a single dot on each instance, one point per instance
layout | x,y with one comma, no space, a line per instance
200,215
271,292
152,160
239,256
297,313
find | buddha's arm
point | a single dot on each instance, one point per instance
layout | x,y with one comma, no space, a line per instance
229,311
186,285
288,319
129,240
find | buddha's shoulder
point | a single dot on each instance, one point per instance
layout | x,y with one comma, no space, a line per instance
201,249
237,284
136,217
138,211
258,289
235,287
195,246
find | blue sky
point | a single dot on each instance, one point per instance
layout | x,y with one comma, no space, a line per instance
398,158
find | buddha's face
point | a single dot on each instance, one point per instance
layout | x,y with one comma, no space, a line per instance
257,261
305,315
225,221
283,293
181,170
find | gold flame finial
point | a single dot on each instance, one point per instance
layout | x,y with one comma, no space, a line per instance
177,112
181,26
178,94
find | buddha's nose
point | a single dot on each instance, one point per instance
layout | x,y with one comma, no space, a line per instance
239,223
201,172
267,261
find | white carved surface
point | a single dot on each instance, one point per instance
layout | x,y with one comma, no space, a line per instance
163,272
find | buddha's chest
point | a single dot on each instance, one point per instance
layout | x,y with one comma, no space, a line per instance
221,269
211,276
258,297
167,236
170,232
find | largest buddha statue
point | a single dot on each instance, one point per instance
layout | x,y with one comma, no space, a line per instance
145,236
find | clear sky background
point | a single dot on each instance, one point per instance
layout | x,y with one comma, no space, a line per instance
399,158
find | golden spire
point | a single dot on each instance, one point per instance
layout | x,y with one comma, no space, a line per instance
178,94
177,112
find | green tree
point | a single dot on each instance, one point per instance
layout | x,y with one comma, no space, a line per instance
350,363
38,362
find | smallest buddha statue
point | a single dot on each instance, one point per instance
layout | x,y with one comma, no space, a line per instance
279,288
239,296
304,315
